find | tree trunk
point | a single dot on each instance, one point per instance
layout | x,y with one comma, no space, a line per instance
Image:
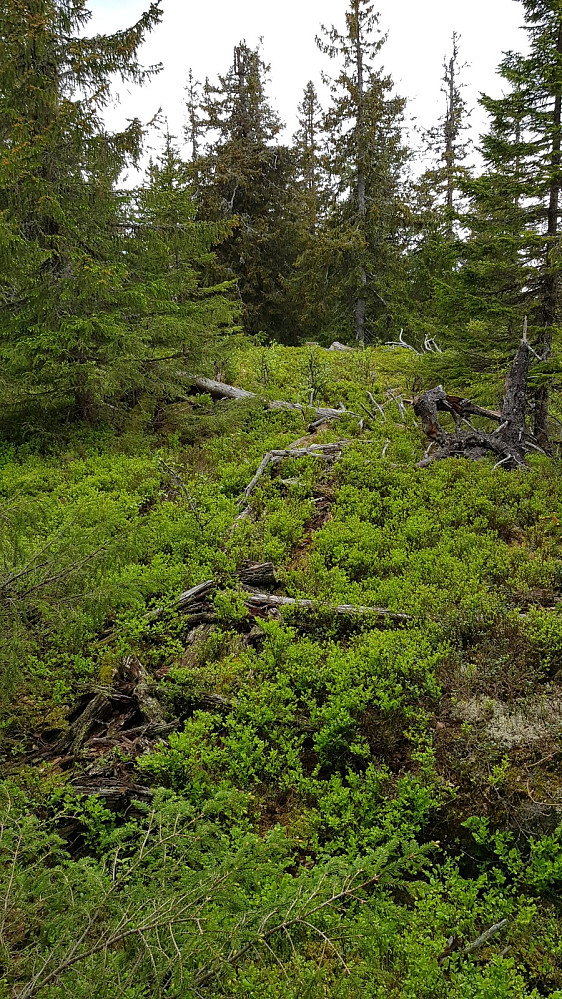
509,443
361,303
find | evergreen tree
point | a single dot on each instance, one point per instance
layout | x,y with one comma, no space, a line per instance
516,203
245,174
307,145
436,202
193,124
63,277
169,255
446,140
310,286
366,159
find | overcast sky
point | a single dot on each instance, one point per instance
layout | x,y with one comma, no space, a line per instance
202,34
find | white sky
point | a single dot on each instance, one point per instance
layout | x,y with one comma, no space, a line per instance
202,35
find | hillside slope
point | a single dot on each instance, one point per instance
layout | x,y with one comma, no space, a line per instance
242,796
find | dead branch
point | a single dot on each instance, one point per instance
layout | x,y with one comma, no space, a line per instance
180,484
326,452
484,937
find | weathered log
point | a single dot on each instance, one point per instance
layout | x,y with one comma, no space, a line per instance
257,575
111,789
220,390
195,602
257,602
270,602
94,714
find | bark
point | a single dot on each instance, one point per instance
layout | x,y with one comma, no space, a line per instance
361,303
219,390
509,443
258,575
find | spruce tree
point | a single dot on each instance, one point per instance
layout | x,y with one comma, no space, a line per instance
193,124
307,146
245,174
63,281
169,255
437,201
366,158
447,140
516,203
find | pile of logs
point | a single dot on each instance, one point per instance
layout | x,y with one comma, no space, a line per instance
124,716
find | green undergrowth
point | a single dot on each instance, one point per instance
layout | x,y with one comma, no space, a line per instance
343,804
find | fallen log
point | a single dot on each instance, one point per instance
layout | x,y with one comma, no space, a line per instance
196,606
510,443
220,390
270,602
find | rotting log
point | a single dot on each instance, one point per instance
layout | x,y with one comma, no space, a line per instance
220,390
269,602
196,602
197,607
510,443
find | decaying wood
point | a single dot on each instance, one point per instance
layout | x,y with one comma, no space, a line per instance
198,607
94,714
126,716
220,390
111,789
326,452
454,943
510,443
269,602
258,574
195,601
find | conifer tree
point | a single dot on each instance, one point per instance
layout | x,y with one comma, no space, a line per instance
168,256
63,278
193,124
447,139
244,174
517,200
307,145
437,200
366,158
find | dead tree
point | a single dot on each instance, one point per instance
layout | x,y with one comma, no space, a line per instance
219,390
509,443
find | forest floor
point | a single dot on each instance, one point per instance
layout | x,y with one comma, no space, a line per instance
331,767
